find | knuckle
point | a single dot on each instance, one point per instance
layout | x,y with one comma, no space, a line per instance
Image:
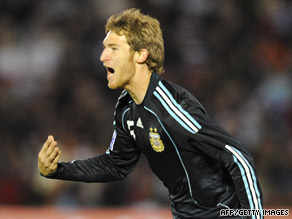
52,168
43,159
47,164
40,154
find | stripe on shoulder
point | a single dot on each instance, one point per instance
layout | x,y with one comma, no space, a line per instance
175,109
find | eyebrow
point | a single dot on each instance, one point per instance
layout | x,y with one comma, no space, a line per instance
109,45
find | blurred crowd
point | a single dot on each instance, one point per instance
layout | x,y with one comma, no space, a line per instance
234,56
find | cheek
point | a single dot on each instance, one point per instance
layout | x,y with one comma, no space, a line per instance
126,68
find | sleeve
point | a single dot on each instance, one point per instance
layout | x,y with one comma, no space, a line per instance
119,160
220,145
193,130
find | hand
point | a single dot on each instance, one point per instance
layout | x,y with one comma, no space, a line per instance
48,157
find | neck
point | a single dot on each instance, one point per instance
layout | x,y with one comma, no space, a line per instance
139,88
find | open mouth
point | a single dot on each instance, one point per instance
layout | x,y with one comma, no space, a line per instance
111,70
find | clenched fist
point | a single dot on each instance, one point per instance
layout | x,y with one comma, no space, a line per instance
48,157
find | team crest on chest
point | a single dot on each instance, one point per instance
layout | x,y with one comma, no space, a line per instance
155,140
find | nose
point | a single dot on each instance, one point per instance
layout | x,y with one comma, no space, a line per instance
103,55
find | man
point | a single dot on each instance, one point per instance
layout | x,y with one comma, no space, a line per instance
203,167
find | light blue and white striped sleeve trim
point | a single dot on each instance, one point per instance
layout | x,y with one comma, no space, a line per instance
249,180
175,109
111,147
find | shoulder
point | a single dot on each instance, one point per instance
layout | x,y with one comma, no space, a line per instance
173,92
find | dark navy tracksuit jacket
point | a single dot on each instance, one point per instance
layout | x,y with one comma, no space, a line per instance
203,167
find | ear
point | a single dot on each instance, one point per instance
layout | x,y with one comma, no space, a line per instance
142,56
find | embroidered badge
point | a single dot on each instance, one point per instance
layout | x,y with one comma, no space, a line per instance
155,140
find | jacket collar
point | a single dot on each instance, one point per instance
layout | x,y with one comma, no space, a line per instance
155,78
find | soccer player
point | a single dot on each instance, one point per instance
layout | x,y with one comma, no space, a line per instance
203,167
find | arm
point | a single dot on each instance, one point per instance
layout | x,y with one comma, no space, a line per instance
111,166
218,144
198,132
114,165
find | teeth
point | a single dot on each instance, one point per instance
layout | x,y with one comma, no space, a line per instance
111,70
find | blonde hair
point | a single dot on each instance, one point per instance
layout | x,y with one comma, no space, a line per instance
141,32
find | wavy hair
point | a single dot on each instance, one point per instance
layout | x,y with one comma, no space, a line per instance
141,32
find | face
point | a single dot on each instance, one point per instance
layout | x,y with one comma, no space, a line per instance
118,58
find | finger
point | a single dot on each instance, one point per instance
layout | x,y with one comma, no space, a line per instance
46,144
57,158
54,164
51,148
53,155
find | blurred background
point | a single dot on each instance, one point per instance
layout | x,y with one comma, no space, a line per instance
234,56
